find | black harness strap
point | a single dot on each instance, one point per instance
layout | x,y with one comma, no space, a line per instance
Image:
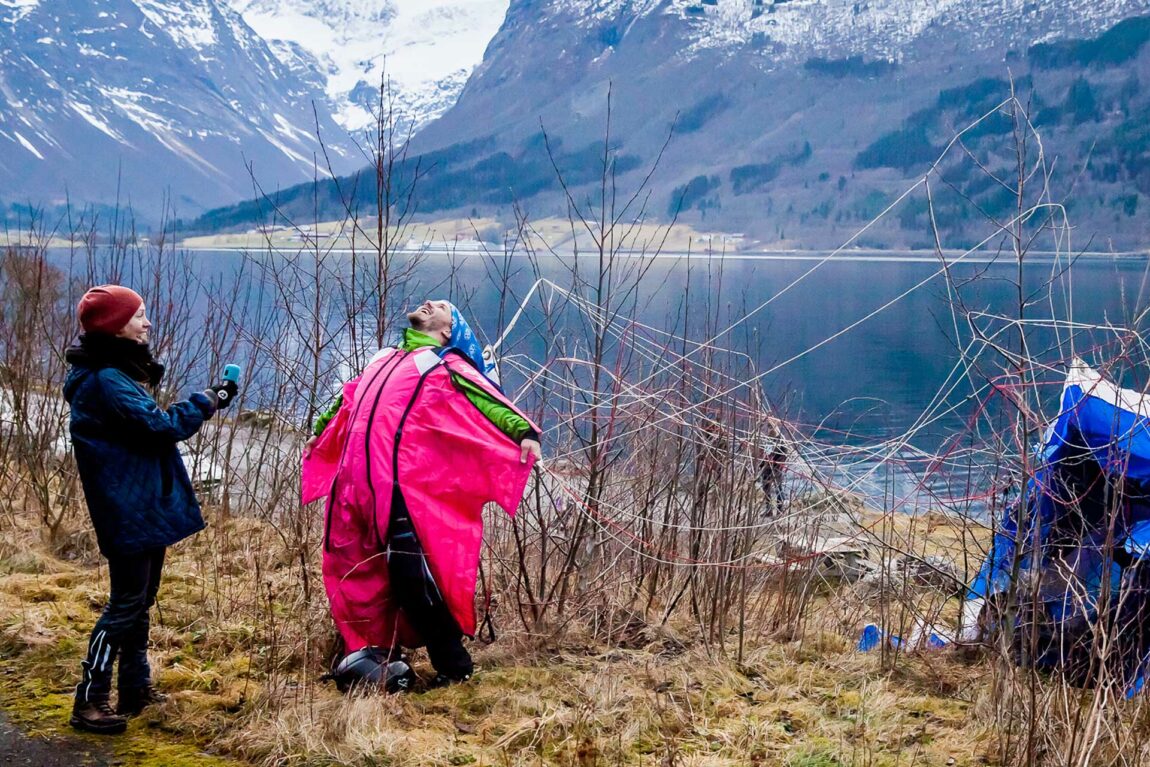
487,624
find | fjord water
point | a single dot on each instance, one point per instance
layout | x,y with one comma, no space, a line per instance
855,351
858,344
892,358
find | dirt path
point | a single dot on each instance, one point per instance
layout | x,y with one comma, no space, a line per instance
20,750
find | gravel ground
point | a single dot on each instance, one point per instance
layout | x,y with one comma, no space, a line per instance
20,750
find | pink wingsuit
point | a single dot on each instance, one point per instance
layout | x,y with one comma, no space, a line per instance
404,424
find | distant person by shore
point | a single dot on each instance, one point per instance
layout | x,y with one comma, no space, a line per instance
771,460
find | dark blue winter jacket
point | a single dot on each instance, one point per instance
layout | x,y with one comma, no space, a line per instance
135,483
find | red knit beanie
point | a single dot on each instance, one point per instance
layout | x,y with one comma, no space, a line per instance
108,308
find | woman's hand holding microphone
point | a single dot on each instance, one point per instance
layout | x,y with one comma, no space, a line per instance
228,387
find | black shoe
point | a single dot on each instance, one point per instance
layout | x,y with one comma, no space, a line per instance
133,700
97,717
442,680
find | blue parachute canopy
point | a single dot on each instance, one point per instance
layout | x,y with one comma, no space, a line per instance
1081,527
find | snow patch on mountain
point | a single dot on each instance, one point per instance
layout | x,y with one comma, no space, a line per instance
96,121
883,26
190,24
17,9
28,145
426,48
598,11
880,28
888,27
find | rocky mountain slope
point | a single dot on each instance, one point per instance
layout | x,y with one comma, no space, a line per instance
147,98
795,122
203,102
426,48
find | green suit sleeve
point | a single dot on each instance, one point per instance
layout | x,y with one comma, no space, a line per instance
509,422
325,417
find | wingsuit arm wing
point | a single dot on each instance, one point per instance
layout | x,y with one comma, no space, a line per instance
499,461
321,462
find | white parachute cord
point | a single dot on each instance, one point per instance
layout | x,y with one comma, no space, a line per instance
494,347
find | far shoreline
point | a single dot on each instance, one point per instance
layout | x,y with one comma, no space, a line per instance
789,254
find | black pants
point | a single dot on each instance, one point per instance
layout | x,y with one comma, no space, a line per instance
420,599
122,630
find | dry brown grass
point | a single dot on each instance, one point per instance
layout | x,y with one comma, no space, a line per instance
636,707
241,651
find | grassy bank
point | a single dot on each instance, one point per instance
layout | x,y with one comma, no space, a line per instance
241,656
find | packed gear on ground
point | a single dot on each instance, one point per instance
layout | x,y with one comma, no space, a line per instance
374,667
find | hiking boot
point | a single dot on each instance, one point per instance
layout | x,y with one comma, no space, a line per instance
133,700
97,717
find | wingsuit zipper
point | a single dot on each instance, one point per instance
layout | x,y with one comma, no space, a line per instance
331,496
429,576
395,446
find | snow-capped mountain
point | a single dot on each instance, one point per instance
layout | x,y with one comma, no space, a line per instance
203,102
552,54
794,120
146,98
426,48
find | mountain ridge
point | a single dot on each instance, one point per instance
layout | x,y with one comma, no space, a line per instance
795,145
97,94
425,48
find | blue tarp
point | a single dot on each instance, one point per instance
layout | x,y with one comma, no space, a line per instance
1087,510
1098,437
872,637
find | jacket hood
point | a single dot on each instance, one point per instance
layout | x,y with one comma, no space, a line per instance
95,351
72,380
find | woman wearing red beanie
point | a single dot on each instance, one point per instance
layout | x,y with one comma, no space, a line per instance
136,487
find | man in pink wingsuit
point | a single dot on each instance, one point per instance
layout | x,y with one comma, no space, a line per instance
407,457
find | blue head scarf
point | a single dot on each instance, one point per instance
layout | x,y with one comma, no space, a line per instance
463,340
